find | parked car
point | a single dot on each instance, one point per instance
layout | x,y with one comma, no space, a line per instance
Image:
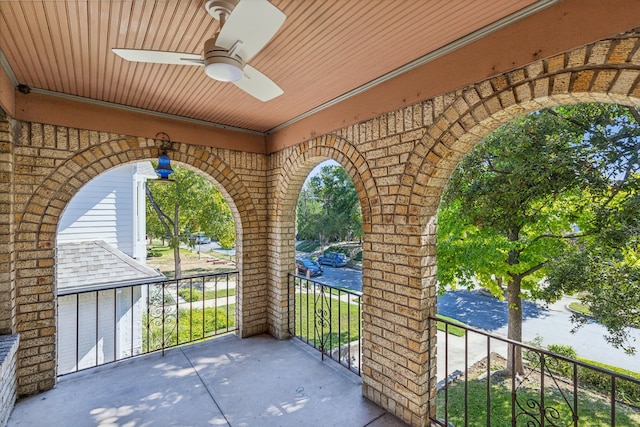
305,264
334,259
200,239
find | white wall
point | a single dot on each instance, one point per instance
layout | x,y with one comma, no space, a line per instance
102,210
116,335
111,207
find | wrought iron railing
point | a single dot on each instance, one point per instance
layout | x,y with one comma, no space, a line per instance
327,318
100,325
550,390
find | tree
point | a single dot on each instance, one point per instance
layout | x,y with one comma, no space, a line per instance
309,216
329,207
527,195
189,204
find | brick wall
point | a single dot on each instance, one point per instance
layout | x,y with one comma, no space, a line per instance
7,255
8,378
53,163
399,163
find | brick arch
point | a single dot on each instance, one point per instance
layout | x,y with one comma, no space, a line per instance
50,198
289,180
37,227
330,147
607,71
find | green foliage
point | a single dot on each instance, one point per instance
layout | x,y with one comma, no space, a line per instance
201,208
329,207
552,195
307,246
563,350
191,325
562,366
510,204
627,391
593,410
188,204
609,283
153,253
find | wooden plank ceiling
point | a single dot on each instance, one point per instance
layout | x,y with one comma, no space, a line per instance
324,49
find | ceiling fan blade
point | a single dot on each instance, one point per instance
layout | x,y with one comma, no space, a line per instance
159,57
253,23
258,85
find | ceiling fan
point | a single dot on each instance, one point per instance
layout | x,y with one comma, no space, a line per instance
246,26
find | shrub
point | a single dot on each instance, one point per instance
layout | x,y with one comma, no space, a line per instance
559,365
626,391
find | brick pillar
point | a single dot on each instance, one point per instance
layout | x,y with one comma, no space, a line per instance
399,291
7,253
281,244
35,308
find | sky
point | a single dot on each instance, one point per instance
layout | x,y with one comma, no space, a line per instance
315,171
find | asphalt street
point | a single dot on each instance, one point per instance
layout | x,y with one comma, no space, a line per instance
551,323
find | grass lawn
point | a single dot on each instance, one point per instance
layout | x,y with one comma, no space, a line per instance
593,410
196,295
191,326
453,330
579,308
343,328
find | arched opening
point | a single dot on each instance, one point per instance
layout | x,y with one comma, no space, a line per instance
114,299
449,156
327,290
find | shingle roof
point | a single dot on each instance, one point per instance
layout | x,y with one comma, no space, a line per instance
93,263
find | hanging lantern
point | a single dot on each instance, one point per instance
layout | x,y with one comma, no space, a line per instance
164,166
164,162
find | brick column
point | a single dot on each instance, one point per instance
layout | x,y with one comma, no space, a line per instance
399,296
7,253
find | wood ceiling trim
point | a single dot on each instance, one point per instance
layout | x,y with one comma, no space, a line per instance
7,92
556,29
55,110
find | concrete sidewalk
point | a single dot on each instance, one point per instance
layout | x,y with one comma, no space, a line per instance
228,381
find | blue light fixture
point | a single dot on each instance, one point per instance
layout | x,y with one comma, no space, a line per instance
164,162
164,166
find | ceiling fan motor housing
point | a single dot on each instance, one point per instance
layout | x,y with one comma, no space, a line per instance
220,64
216,8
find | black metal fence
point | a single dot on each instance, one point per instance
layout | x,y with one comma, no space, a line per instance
100,325
327,318
481,389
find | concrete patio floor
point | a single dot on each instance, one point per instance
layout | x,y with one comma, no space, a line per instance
228,381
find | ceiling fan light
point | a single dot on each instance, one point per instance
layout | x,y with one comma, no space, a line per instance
223,71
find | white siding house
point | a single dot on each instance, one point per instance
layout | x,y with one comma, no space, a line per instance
101,251
110,208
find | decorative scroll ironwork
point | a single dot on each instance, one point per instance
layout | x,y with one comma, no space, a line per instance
145,317
322,323
536,412
555,390
327,318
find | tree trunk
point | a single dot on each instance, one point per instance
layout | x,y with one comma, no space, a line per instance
514,355
176,247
